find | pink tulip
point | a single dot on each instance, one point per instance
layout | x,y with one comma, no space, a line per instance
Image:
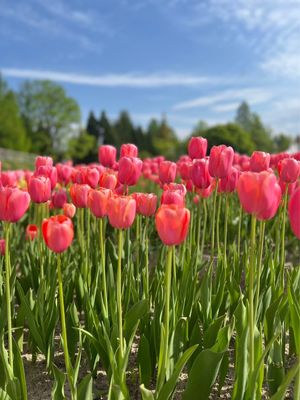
107,155
13,204
229,184
173,197
200,175
79,195
259,161
69,210
58,233
59,198
197,147
121,211
92,177
294,212
2,247
39,189
145,203
97,201
167,171
128,150
130,170
220,161
42,161
289,170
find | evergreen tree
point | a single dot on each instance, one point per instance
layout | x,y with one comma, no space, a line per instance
94,129
107,130
124,129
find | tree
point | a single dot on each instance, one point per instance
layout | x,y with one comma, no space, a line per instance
231,135
107,130
81,148
47,110
282,142
252,123
163,139
12,131
124,129
94,129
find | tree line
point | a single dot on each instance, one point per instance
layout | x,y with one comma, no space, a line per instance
41,118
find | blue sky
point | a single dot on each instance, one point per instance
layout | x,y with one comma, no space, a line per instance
186,59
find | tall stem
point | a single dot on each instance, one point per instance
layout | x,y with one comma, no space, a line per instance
204,227
219,201
163,364
259,263
239,231
282,253
8,294
214,219
226,227
64,328
119,292
103,272
251,285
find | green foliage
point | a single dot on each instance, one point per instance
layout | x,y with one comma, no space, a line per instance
282,142
48,114
81,148
12,131
231,135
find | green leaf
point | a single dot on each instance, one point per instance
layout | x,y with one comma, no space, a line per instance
19,370
144,361
136,312
146,394
57,392
279,395
85,388
169,387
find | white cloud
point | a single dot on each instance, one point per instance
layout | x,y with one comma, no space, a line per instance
114,80
251,95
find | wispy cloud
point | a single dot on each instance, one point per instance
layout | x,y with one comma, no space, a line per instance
252,95
114,80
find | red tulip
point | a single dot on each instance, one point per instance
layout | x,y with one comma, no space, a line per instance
39,189
197,147
130,169
173,197
2,247
97,201
59,198
13,204
31,232
128,150
58,233
259,194
41,161
289,170
229,184
92,177
220,161
172,224
69,210
167,171
200,175
108,180
294,212
145,203
107,155
259,161
121,211
79,195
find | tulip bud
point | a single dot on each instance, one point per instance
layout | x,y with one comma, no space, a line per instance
128,150
197,147
49,172
97,201
31,232
69,210
58,233
259,161
39,189
43,161
108,180
121,211
289,170
13,204
200,175
220,161
173,197
167,171
64,173
79,195
107,155
229,184
145,203
2,247
130,169
59,198
172,224
294,212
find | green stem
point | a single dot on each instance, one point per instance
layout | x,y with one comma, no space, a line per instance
226,227
199,229
214,219
219,201
262,226
64,328
164,360
119,293
251,285
204,227
103,272
8,294
239,231
282,253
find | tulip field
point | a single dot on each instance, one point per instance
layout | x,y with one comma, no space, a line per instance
152,279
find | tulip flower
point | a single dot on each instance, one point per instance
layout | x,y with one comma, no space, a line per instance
259,161
173,197
145,203
121,211
69,210
197,147
49,172
97,201
185,170
79,195
9,178
167,171
107,155
259,194
43,161
108,180
172,222
13,204
39,189
294,212
289,170
31,232
229,184
92,177
59,198
200,175
64,173
220,161
128,150
2,247
130,169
